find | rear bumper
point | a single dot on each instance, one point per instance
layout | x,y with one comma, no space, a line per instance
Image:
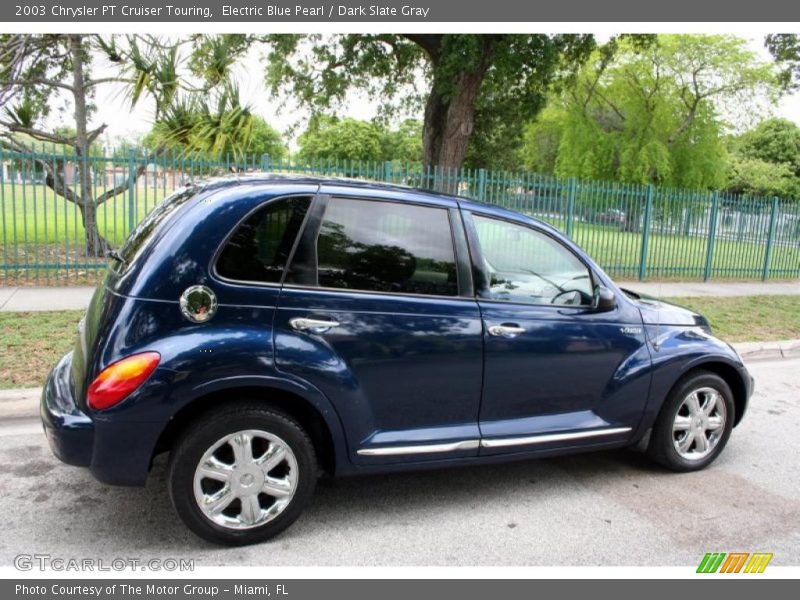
117,452
69,431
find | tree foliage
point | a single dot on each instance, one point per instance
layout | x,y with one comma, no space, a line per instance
766,160
650,113
181,78
755,177
772,140
328,138
193,129
785,49
477,85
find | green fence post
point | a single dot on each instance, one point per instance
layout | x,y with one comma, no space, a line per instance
131,189
646,226
773,223
572,192
712,235
265,162
387,171
482,185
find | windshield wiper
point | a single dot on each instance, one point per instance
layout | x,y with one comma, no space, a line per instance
117,256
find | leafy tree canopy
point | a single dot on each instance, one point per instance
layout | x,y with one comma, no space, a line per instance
774,141
649,113
755,177
328,138
191,129
477,86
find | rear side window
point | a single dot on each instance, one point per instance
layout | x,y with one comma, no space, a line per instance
386,247
260,246
152,222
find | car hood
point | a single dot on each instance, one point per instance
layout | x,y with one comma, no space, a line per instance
659,312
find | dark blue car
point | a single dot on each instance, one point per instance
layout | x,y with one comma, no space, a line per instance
264,330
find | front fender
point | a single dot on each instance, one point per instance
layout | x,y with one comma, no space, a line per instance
677,350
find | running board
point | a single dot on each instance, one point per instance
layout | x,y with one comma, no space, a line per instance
546,438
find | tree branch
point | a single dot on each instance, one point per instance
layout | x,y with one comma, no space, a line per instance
132,178
53,178
95,133
42,136
94,82
41,81
431,43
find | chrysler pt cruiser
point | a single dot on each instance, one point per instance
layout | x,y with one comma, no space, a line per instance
265,330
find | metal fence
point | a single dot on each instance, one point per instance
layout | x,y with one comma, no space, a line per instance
633,231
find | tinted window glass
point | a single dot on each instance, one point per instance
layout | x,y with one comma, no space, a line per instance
151,223
528,266
386,247
259,248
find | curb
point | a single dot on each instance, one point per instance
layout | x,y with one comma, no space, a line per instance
23,403
768,350
20,403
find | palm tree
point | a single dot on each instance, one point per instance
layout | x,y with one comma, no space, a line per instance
180,77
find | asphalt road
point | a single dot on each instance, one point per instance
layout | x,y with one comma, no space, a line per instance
611,508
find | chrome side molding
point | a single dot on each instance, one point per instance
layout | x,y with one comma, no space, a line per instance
544,438
420,448
547,438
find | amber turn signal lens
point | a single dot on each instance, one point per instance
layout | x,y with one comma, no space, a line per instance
117,381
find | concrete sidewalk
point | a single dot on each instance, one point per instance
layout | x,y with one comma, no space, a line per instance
23,299
712,288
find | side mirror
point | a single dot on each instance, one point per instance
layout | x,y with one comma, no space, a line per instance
604,299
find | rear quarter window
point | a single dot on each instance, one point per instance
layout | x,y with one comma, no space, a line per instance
260,246
148,226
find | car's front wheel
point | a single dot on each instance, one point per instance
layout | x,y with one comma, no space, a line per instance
694,424
242,474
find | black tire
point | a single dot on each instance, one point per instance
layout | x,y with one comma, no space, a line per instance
204,433
661,447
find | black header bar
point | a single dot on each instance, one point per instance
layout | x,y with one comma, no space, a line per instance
413,11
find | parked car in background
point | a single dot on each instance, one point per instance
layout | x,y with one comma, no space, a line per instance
264,329
612,216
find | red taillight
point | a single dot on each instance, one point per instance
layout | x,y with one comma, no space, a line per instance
118,380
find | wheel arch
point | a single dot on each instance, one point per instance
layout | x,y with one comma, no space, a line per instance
320,422
731,376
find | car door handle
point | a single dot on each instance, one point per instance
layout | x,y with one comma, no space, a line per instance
507,330
312,325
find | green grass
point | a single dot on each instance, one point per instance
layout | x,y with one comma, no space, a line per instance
35,215
749,318
31,343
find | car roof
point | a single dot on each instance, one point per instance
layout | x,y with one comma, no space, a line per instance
267,178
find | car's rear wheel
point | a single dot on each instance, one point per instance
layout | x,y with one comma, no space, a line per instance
694,424
242,474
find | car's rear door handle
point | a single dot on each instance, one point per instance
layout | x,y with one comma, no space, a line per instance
507,330
312,325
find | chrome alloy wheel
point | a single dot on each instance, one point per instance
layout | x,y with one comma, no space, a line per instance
245,479
699,424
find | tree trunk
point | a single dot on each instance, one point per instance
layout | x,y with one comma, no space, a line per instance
449,123
96,245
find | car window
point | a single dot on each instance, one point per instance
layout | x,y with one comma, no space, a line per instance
386,247
524,265
260,246
147,227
